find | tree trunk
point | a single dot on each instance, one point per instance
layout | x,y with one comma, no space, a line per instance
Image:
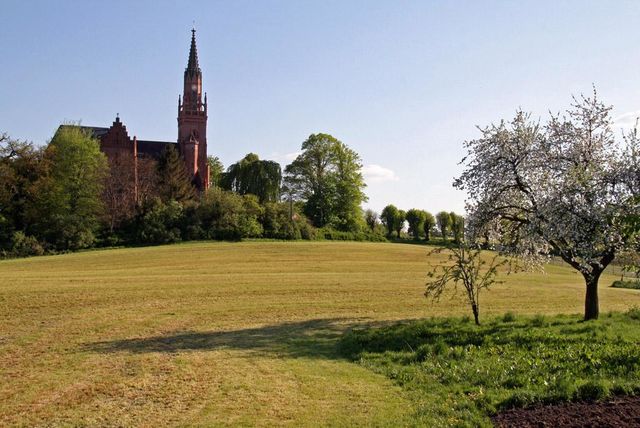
591,305
476,313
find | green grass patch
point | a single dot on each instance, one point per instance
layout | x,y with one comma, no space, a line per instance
460,374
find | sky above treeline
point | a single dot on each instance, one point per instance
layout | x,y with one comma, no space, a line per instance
403,83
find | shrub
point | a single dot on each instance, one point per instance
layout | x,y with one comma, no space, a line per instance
538,321
592,390
509,317
160,224
25,245
520,398
633,313
634,285
423,352
330,234
229,216
563,390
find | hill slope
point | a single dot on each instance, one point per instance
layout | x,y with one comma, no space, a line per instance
225,333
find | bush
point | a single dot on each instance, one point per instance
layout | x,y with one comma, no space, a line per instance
508,317
229,216
330,234
160,224
563,390
592,391
633,313
634,285
24,246
538,321
521,398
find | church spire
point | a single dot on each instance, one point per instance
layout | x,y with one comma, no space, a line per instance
192,66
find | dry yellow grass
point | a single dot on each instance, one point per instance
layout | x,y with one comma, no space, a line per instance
225,333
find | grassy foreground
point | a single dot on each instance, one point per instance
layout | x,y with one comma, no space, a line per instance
227,333
458,374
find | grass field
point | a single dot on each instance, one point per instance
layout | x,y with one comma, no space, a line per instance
227,333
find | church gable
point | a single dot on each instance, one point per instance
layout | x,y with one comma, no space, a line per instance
116,142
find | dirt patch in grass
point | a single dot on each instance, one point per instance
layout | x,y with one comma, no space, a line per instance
618,412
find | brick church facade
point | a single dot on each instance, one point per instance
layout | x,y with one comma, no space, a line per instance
124,152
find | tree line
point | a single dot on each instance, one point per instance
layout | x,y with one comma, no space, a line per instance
419,224
68,196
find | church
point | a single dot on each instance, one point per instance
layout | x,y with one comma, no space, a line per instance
191,144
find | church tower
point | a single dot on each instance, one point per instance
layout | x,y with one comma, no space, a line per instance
192,121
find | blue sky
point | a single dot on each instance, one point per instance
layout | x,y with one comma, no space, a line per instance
404,83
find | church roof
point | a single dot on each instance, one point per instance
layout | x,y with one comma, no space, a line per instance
96,131
153,148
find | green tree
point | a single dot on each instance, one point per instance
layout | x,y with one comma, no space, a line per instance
389,218
371,218
429,224
327,177
416,219
216,170
399,222
457,227
227,215
252,176
444,222
174,181
68,196
21,165
349,189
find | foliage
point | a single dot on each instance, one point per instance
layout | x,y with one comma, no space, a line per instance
470,270
349,190
252,176
227,215
371,219
444,222
174,182
416,219
327,177
67,197
216,170
399,222
429,224
389,217
282,220
457,227
564,188
338,235
160,223
21,165
633,285
459,375
24,246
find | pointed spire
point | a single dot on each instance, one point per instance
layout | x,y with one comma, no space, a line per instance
192,66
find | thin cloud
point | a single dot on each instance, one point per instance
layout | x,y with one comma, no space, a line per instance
286,158
627,120
378,174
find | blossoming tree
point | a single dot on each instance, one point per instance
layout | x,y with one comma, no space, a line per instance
565,188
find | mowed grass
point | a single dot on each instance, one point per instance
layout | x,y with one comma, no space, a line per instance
227,333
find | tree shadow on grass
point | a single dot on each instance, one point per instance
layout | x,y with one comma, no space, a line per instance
316,338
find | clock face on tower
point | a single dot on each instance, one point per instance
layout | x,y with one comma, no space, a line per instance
194,87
